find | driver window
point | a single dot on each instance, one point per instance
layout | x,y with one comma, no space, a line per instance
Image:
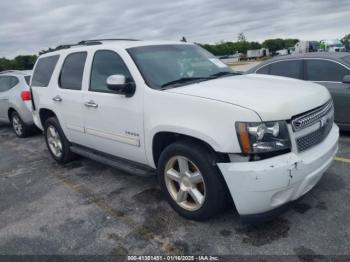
105,64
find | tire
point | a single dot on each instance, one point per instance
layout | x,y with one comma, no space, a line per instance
19,127
212,189
55,139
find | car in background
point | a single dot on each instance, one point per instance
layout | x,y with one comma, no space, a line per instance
15,101
331,70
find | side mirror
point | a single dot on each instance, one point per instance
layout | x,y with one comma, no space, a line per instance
346,79
119,85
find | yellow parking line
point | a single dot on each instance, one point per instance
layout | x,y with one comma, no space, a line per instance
341,159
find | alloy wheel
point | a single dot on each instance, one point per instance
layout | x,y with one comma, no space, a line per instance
54,141
185,183
17,125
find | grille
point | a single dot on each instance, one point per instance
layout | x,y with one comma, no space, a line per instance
325,123
311,117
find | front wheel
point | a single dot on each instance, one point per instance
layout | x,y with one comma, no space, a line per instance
191,181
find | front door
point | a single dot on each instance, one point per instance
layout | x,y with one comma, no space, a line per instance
113,122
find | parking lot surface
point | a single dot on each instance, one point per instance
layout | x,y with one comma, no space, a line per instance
88,208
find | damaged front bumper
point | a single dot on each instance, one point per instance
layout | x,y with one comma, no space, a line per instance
261,186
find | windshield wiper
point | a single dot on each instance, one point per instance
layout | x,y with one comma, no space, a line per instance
224,73
185,80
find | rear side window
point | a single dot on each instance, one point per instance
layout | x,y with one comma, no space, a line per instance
105,64
263,70
27,78
7,82
72,71
43,70
323,70
291,68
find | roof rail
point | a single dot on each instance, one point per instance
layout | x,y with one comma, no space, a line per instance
99,41
88,42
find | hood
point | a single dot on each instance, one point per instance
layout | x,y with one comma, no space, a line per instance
271,97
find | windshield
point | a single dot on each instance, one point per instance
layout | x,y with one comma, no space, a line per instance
347,59
174,65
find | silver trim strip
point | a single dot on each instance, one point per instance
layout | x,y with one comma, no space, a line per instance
114,137
75,128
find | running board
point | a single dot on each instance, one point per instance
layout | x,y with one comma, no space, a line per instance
116,162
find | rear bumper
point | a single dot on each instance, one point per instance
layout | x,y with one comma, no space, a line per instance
261,186
24,109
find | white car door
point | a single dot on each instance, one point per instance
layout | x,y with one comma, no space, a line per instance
113,122
67,97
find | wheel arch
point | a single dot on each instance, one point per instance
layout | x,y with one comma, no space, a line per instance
162,139
10,111
45,114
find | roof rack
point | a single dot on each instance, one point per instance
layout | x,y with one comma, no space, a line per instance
88,42
99,41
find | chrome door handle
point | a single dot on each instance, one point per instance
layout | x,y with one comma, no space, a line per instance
91,104
57,99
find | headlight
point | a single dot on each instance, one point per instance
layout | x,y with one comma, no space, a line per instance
263,137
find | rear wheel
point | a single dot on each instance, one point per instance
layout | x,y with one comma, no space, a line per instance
19,127
56,141
191,181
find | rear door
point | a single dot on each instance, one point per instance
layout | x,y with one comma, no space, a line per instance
330,74
67,96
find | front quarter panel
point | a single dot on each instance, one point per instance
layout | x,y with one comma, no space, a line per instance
208,120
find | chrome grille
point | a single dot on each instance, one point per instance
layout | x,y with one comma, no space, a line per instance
324,120
311,117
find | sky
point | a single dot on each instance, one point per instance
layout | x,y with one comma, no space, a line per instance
28,26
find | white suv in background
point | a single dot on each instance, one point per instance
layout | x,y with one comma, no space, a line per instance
15,101
210,133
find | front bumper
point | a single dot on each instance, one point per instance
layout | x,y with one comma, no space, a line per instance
261,186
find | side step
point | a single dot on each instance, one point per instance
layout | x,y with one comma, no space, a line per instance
113,161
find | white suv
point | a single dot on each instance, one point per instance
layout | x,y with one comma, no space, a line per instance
210,133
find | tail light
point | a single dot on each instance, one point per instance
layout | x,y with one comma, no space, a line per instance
25,95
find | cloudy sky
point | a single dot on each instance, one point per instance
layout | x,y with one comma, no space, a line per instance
28,26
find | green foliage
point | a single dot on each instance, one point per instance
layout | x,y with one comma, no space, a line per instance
346,37
277,44
229,48
22,62
241,46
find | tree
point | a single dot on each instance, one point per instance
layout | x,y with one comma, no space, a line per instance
241,37
277,44
346,37
22,62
